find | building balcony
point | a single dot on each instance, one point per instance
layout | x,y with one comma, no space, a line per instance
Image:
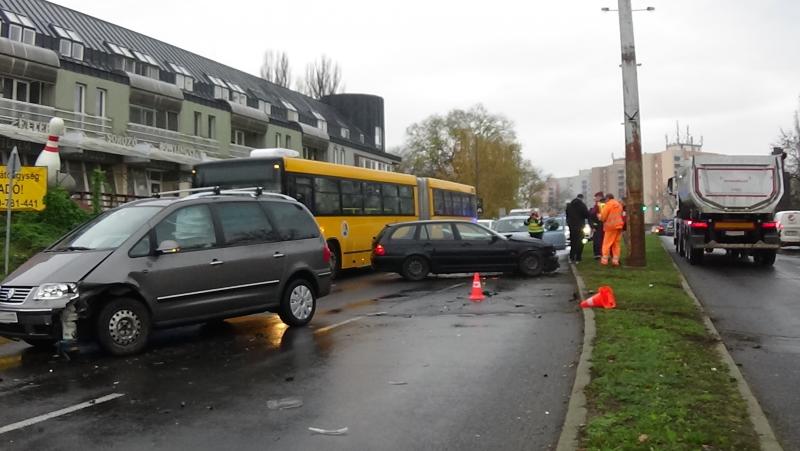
239,151
186,147
34,118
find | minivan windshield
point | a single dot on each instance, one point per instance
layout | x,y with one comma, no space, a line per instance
109,230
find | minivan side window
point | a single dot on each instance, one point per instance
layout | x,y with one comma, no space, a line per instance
142,248
191,227
293,222
244,222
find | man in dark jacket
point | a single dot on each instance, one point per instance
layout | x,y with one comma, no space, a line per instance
577,214
597,226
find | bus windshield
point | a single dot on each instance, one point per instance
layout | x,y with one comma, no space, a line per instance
240,173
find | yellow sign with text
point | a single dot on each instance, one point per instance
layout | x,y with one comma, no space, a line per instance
29,188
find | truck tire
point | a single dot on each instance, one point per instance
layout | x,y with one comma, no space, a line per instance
765,258
695,256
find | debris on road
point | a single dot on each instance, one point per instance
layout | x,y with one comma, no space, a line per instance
398,383
284,403
342,431
378,314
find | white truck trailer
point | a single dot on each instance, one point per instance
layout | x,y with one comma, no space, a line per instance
728,202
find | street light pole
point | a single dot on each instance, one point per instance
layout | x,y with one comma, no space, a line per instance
633,145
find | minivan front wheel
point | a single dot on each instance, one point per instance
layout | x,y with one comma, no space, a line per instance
298,303
123,326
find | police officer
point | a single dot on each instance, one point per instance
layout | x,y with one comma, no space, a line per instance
535,226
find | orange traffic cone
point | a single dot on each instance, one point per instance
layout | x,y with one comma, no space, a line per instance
604,298
477,290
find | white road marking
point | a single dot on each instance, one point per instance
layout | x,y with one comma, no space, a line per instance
342,323
58,413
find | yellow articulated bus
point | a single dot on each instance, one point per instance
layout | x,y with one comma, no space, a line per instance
351,204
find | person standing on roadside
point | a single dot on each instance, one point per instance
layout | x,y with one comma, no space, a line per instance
535,226
597,225
611,215
577,214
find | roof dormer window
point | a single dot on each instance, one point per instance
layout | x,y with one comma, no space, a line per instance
70,44
221,89
183,78
265,107
345,132
291,111
237,94
20,28
133,61
322,124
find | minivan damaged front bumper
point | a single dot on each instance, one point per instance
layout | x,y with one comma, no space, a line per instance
55,319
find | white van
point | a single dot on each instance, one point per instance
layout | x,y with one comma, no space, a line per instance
789,227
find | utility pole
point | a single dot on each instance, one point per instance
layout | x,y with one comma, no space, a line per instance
633,144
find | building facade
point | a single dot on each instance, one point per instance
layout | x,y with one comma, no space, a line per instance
143,111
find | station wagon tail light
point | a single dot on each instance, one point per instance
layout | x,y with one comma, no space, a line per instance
326,253
380,250
769,225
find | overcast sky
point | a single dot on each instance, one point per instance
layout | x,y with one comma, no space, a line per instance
730,69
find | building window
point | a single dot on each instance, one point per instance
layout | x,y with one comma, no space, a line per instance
133,61
288,141
291,111
345,132
20,28
238,137
278,140
23,91
265,107
142,115
338,155
221,89
100,106
198,117
183,78
361,137
378,137
70,45
172,121
322,124
237,94
212,127
79,105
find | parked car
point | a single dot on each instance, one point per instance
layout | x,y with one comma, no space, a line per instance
414,249
554,230
669,228
165,262
664,227
486,222
788,227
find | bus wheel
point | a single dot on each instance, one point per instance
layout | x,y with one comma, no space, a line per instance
336,259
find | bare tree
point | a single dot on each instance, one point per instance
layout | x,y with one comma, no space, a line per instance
275,68
323,78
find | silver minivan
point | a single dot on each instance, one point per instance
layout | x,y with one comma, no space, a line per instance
165,262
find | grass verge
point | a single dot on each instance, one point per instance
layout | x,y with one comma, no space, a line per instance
657,382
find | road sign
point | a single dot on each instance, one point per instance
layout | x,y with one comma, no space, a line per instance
28,189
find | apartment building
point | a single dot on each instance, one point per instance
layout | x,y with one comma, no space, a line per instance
145,111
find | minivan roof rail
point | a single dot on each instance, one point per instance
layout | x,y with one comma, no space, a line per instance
214,189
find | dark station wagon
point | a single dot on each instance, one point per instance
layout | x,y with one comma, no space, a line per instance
415,249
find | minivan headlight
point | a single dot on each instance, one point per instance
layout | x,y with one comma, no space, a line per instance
56,291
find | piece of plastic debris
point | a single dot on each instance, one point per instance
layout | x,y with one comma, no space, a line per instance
289,379
341,431
547,412
378,314
651,285
284,403
713,369
398,383
643,438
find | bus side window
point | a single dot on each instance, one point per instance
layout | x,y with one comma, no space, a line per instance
326,197
438,202
406,200
391,203
300,188
372,199
352,199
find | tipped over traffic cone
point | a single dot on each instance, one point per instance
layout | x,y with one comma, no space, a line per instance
604,298
477,290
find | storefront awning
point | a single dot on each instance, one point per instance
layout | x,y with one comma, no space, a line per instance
28,61
154,93
244,117
313,136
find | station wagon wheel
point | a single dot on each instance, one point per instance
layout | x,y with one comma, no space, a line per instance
298,303
123,326
530,264
415,268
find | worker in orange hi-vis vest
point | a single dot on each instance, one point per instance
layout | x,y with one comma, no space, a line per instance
611,215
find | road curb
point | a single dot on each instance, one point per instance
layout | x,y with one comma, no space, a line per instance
766,436
575,419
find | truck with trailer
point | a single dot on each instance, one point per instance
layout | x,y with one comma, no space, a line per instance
728,202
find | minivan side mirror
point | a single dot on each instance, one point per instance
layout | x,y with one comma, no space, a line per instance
168,247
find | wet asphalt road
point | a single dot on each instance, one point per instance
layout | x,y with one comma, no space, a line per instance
402,365
757,313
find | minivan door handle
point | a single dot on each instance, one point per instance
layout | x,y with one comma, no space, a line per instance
278,255
216,262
